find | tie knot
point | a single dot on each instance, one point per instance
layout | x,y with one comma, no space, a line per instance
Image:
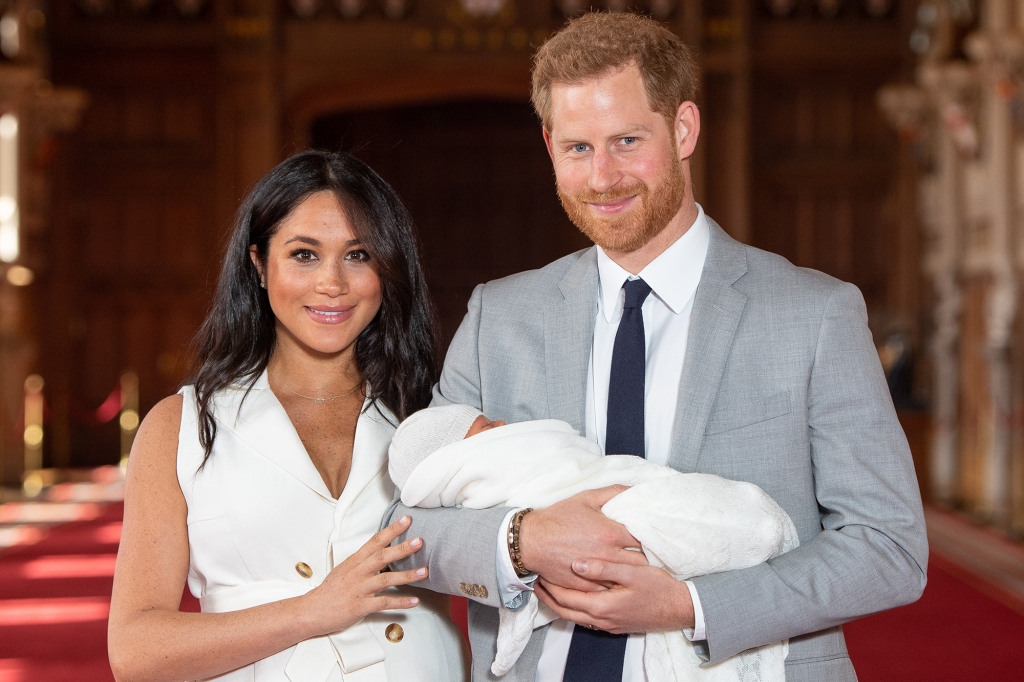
636,292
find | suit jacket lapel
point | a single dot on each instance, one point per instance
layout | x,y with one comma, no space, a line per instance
717,308
568,339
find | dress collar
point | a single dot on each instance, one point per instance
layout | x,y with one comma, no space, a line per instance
262,423
673,276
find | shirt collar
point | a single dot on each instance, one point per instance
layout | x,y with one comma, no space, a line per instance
673,276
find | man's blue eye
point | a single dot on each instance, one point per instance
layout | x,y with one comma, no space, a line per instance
629,140
580,148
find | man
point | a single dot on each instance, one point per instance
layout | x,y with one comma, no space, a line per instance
672,341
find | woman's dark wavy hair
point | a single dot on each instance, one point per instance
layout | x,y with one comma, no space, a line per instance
395,353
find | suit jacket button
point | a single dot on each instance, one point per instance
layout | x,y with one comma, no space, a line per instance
465,589
304,570
394,633
481,592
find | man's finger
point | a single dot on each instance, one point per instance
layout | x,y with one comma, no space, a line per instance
630,557
570,614
575,582
598,497
583,602
607,572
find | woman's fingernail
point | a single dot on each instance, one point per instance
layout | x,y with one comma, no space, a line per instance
404,520
414,601
580,566
421,571
415,542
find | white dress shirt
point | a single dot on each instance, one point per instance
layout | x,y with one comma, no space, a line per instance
673,277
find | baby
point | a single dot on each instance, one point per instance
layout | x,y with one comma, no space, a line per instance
687,524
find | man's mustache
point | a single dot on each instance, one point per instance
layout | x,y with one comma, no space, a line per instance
615,194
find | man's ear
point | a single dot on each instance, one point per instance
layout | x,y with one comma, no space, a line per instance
547,143
254,256
687,129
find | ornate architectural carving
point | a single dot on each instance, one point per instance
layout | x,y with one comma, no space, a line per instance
971,198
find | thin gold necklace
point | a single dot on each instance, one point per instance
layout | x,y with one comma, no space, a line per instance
320,401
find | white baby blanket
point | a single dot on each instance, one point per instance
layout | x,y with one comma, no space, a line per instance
688,524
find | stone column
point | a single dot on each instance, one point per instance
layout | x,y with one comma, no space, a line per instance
999,54
949,86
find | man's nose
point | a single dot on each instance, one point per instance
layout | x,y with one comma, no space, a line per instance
604,172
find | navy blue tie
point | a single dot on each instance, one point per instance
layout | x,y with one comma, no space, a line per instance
594,655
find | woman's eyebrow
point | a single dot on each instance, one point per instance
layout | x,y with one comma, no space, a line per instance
305,240
316,242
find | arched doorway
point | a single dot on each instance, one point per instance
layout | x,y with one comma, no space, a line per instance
478,182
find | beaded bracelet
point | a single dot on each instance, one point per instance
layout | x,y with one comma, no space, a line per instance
513,542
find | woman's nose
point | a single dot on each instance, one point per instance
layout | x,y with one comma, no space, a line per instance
332,281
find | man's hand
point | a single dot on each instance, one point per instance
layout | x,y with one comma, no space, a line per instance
640,599
551,539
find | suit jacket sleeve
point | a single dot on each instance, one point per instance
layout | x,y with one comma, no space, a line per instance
871,554
458,544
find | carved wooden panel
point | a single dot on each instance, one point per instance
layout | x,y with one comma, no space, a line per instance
823,161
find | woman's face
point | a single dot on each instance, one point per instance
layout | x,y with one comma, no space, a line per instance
323,286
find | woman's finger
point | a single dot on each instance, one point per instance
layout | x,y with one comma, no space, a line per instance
380,540
386,536
393,578
388,602
387,555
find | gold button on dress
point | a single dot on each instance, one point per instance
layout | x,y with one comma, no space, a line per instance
394,633
303,569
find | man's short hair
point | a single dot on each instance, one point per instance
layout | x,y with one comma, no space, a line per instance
597,43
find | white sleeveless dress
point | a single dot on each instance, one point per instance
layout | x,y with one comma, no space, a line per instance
260,517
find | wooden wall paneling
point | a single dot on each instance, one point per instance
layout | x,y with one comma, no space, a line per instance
476,179
728,123
821,184
44,113
136,236
688,22
248,101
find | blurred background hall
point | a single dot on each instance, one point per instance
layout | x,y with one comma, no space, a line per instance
881,141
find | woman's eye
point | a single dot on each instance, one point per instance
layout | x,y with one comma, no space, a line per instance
303,255
358,255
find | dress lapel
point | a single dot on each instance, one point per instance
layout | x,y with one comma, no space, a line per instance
373,436
568,340
264,426
717,308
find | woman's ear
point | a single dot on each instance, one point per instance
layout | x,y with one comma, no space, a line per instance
254,256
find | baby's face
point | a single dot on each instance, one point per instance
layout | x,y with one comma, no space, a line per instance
481,424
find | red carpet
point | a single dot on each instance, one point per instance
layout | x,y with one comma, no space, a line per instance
54,598
954,633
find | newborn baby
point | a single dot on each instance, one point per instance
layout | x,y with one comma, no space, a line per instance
687,524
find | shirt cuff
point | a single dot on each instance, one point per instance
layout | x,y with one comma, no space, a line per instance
699,631
513,591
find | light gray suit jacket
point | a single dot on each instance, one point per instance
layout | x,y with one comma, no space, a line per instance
781,387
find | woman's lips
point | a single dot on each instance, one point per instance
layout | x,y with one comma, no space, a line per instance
329,314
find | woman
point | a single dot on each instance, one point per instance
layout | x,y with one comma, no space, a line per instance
264,481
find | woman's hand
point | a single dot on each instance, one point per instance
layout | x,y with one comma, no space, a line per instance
350,590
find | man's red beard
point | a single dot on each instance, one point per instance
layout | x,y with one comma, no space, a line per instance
640,224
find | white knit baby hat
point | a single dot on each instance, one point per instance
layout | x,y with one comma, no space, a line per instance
425,432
